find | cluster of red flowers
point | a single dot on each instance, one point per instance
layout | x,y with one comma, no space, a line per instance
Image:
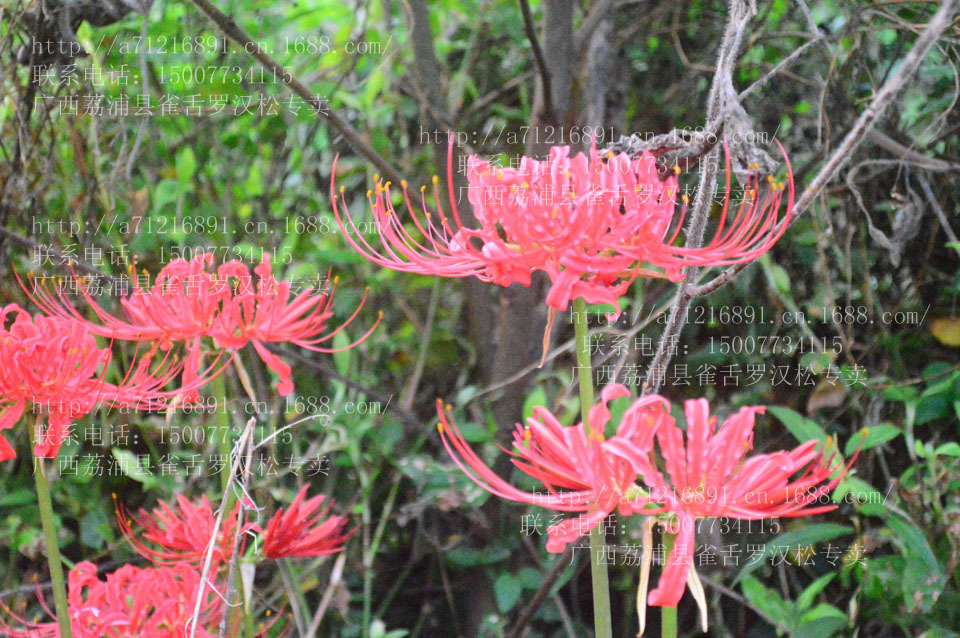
132,602
591,224
652,468
53,365
594,224
159,601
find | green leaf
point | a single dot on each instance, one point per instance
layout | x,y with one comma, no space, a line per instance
802,428
822,621
868,500
948,449
877,435
923,578
18,498
130,466
805,599
343,358
536,398
469,557
94,528
767,601
186,166
808,535
507,590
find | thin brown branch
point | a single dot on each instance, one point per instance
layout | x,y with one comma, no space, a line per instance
526,615
538,56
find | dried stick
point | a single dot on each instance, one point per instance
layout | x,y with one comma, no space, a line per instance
208,555
531,30
881,100
722,83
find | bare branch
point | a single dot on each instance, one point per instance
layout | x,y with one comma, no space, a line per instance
722,99
881,100
541,61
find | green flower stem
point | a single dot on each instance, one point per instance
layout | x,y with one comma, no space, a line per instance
668,615
598,568
223,429
50,536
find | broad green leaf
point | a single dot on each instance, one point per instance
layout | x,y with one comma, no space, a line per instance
537,397
864,496
802,428
808,535
822,621
877,435
805,599
507,590
186,166
923,577
468,556
767,601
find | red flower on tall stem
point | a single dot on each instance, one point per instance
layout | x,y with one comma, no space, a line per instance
188,302
132,602
592,224
52,366
706,473
182,531
580,469
306,528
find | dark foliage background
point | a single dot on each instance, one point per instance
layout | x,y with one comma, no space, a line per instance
872,267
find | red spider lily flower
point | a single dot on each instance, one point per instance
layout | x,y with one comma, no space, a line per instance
593,476
188,302
182,531
306,528
132,602
53,366
591,224
709,475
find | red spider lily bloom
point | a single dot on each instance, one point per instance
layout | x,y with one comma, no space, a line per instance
132,602
594,477
54,366
188,302
590,223
306,528
182,531
710,475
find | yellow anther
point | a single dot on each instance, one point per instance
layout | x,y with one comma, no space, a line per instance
342,189
440,427
686,200
376,177
677,169
435,180
423,188
403,184
369,193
